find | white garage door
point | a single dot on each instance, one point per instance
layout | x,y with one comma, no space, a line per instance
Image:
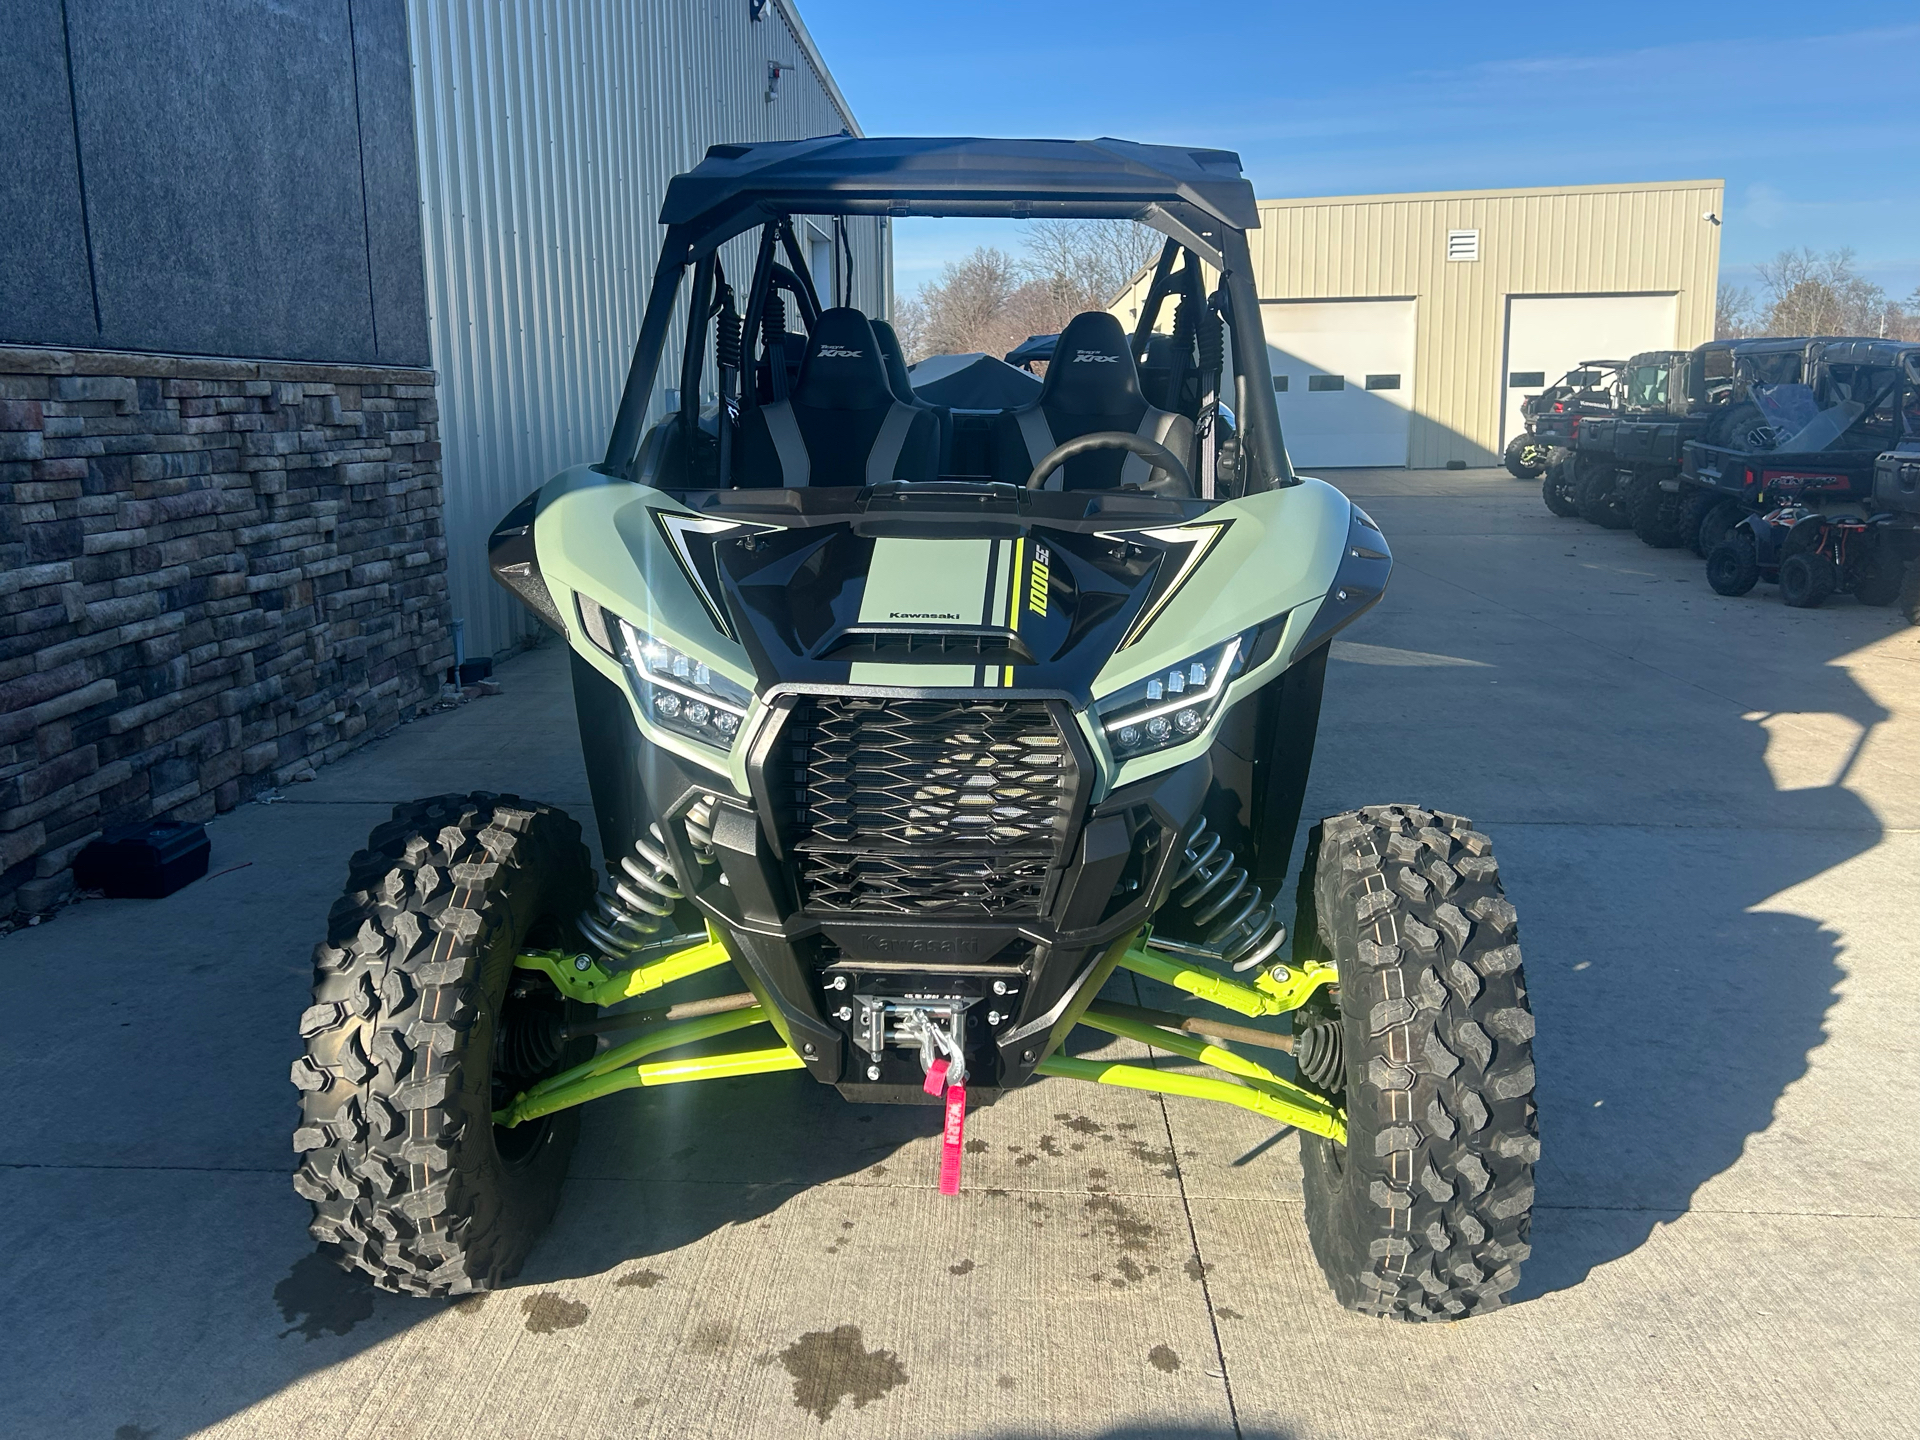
1343,376
1547,335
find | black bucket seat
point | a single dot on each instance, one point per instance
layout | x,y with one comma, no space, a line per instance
842,424
1092,384
895,359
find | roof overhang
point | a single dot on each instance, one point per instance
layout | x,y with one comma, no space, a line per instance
1189,194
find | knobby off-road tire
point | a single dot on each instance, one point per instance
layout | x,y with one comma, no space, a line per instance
1876,572
1734,566
1696,504
1659,516
406,1060
1426,1212
1596,492
1557,487
1807,579
1717,523
1525,458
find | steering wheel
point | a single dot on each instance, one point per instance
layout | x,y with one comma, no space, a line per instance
1154,453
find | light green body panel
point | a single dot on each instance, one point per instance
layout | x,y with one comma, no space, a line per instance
598,537
1279,556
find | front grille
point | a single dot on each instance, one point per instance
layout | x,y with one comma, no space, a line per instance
927,807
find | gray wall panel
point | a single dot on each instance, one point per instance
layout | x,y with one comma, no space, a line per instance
223,177
45,295
388,155
548,132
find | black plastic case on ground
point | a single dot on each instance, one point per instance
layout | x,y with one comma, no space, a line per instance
144,862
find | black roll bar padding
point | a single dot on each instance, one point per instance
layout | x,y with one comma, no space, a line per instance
756,303
631,418
797,268
1259,420
1152,451
846,251
693,352
1156,293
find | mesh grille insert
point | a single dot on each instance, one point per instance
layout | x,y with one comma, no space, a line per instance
927,806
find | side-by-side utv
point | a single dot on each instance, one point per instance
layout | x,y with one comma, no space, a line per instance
1554,417
1826,482
922,758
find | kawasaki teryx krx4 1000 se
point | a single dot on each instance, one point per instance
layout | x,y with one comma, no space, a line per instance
922,724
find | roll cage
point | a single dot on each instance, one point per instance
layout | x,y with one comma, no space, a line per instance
1198,199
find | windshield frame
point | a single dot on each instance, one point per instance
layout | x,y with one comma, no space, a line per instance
687,261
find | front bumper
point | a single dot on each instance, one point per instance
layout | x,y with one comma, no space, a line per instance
1016,981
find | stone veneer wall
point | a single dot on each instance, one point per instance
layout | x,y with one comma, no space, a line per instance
214,574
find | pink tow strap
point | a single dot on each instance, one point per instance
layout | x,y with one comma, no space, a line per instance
936,1081
954,1134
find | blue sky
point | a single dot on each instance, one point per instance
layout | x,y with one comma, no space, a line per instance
1807,119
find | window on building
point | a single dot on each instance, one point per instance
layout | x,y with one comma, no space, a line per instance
1326,382
1383,382
1279,384
1527,379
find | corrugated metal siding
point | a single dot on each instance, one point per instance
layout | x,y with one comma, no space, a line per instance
548,130
1579,240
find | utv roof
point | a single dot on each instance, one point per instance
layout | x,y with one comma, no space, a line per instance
1852,351
739,186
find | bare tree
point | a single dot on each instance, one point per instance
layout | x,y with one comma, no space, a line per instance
991,301
1085,264
1814,294
1733,313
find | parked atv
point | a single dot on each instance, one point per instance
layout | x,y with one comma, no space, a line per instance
922,761
1810,555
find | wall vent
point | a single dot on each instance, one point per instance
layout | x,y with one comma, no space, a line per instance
1463,244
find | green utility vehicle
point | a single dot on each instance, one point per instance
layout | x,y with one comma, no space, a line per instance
922,759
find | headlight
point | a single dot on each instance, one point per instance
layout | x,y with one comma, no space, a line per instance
678,692
1173,706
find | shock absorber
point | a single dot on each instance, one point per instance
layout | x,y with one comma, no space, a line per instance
773,339
635,910
1238,921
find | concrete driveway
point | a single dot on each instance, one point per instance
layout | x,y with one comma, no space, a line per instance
1705,809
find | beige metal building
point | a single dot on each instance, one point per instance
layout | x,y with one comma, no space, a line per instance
1406,329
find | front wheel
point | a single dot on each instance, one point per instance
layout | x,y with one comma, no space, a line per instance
1557,488
1526,458
421,1027
1734,566
1425,1212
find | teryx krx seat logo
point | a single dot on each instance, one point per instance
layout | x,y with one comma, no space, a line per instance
839,352
1093,357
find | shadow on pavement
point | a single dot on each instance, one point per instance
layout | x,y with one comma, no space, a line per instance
1626,784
